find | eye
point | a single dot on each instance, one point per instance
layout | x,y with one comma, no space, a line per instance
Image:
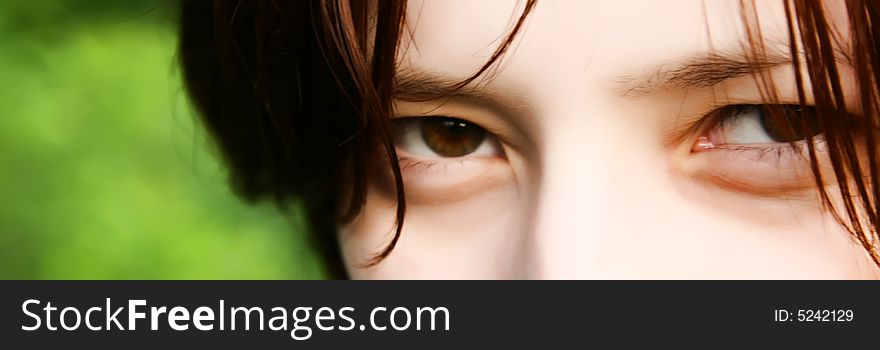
445,159
756,148
443,137
738,125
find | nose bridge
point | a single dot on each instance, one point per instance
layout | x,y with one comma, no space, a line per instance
574,197
589,189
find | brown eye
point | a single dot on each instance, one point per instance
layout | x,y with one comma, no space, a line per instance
788,123
443,137
760,124
451,137
773,122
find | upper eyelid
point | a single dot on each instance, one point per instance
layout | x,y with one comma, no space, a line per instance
416,86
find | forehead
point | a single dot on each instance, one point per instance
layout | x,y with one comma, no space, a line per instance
565,39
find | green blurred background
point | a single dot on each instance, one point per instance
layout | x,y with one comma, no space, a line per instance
104,171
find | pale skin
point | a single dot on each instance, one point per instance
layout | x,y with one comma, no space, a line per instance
592,167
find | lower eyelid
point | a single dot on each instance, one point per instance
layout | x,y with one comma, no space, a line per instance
769,170
415,164
442,181
428,167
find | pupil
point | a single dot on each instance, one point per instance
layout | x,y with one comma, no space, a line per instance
451,137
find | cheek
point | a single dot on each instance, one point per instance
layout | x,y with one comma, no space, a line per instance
722,234
812,247
709,246
479,236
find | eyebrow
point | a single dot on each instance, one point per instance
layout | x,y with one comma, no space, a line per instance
421,86
700,71
712,68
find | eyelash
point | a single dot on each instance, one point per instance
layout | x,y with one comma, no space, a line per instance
410,163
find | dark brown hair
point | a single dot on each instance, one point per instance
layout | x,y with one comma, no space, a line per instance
297,95
852,146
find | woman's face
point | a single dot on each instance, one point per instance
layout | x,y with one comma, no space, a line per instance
618,139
